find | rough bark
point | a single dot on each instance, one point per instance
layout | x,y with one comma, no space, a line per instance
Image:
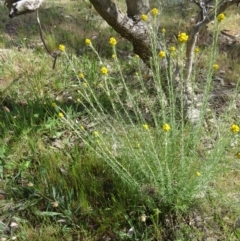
135,8
133,30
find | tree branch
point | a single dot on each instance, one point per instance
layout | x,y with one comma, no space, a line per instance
134,31
200,22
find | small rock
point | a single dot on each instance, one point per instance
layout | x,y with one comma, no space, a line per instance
193,115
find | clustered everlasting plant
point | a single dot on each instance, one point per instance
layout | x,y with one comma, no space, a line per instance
112,41
220,17
157,152
162,54
166,127
62,47
110,143
235,128
154,11
172,49
88,41
215,66
182,37
104,70
144,17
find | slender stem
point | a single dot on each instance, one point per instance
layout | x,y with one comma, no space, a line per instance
54,55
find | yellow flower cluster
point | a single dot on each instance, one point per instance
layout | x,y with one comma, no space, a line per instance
112,41
60,115
235,128
166,127
96,133
182,37
138,144
145,126
54,105
81,75
61,47
163,30
104,70
88,41
144,17
162,54
196,50
215,66
220,17
154,11
82,127
172,49
198,174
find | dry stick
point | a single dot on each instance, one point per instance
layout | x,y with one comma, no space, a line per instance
54,55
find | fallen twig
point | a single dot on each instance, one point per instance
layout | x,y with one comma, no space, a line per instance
54,55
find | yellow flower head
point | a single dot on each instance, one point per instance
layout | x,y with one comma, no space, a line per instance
215,66
144,17
61,47
154,11
196,50
220,17
163,30
182,37
113,56
81,75
60,115
54,105
145,126
112,41
172,49
88,41
138,144
234,128
162,54
166,127
95,133
137,56
85,85
104,70
238,154
198,174
82,128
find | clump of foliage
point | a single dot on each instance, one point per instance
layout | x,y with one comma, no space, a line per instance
100,149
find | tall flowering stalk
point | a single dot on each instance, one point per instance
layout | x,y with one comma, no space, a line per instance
88,42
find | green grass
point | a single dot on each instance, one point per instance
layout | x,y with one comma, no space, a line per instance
94,171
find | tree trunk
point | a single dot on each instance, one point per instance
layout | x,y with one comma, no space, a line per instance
201,20
135,8
133,30
204,16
